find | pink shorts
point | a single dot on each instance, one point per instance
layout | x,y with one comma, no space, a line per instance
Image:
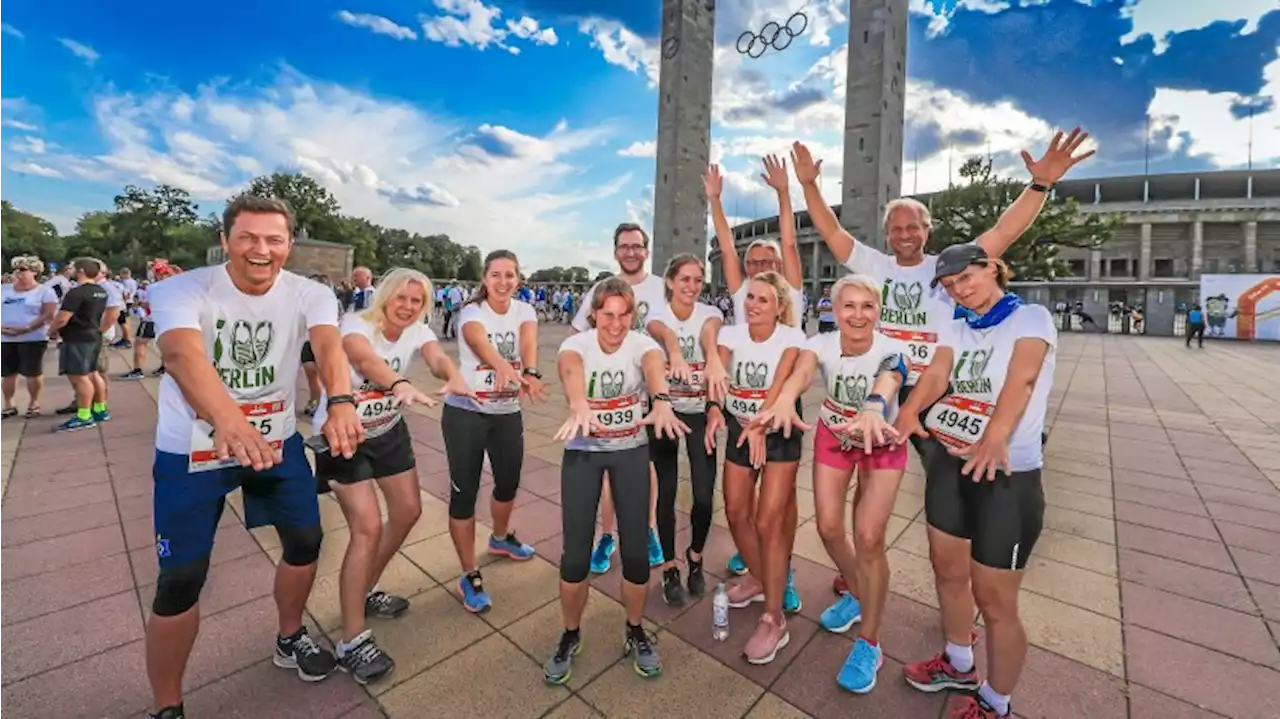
827,451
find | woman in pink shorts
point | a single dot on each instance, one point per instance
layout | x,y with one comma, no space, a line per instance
862,370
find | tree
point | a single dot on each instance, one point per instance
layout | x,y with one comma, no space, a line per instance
145,226
28,234
314,207
603,275
963,212
577,274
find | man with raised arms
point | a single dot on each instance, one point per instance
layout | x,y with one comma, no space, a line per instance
231,340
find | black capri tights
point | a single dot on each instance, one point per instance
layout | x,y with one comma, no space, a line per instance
581,481
664,452
468,436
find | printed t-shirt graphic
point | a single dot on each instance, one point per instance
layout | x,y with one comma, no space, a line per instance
909,310
650,295
849,379
688,398
254,343
980,365
504,334
616,390
752,366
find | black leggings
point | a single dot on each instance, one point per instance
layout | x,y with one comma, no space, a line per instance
665,455
581,481
467,437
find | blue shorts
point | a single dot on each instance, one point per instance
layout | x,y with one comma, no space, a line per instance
188,506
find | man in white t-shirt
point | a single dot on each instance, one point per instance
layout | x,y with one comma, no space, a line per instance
362,293
631,250
231,339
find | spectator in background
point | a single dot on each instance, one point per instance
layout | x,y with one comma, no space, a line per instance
1195,326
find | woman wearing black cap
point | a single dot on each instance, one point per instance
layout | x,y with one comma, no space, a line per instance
984,398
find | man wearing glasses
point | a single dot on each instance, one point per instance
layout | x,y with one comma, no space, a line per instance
631,250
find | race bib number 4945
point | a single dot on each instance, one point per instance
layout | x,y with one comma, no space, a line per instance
958,421
267,417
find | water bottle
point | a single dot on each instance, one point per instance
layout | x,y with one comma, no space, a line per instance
720,614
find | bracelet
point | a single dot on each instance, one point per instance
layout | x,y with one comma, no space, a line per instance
660,397
1033,185
340,399
392,388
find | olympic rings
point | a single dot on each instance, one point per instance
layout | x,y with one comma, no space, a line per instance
777,36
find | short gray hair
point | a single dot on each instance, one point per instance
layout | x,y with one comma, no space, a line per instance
865,282
919,208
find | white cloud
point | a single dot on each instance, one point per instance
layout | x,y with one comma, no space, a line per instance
471,22
20,125
622,47
640,148
80,50
19,106
8,29
32,168
377,24
1159,18
28,144
1202,123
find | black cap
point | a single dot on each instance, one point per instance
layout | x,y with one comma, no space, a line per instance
954,259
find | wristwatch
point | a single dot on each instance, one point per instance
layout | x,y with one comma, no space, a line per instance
340,399
1033,185
660,397
531,372
877,398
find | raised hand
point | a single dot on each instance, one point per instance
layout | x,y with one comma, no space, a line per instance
581,422
986,457
775,173
806,169
712,181
1058,159
664,421
458,388
715,422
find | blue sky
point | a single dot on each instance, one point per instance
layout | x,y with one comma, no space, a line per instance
529,124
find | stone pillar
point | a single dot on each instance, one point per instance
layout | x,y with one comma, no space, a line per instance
684,129
1197,248
1144,253
1095,265
875,97
1251,246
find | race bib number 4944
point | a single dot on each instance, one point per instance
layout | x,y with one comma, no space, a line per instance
959,422
267,417
745,403
920,347
377,409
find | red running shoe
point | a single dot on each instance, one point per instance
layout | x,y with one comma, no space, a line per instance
937,674
968,706
839,585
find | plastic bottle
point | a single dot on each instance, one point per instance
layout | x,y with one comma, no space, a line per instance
720,614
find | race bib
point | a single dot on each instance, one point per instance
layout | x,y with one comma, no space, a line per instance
618,417
378,410
483,378
745,403
920,347
833,413
693,389
958,422
267,417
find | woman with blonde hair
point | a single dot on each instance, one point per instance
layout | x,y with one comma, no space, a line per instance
380,343
760,355
29,307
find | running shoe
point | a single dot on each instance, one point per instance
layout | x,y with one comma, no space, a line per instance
841,616
672,591
365,661
158,372
971,706
511,547
858,674
474,597
770,637
656,558
791,603
132,374
102,416
559,668
74,424
839,585
69,409
170,713
736,565
697,581
9,412
603,551
384,606
642,645
300,652
745,591
937,674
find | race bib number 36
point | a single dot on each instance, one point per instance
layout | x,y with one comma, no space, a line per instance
617,417
267,417
745,403
958,421
920,347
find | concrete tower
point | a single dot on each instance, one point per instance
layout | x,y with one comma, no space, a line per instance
684,129
875,96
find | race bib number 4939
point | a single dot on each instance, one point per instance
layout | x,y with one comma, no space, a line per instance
267,417
958,422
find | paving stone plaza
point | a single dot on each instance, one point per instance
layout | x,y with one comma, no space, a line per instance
1153,593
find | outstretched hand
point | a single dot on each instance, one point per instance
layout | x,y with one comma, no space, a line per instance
806,169
1058,159
775,173
712,181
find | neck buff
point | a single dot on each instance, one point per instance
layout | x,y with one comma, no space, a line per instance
999,312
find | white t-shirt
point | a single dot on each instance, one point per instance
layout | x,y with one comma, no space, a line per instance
740,304
650,295
253,341
752,365
376,407
912,312
361,299
454,295
849,379
616,390
59,284
115,301
980,364
130,288
690,398
826,310
504,335
22,308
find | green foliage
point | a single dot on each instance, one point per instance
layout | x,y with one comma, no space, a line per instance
27,234
603,275
963,212
561,274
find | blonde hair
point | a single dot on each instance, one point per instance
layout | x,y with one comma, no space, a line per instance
782,291
1003,272
30,262
772,245
864,282
390,285
673,268
611,287
920,209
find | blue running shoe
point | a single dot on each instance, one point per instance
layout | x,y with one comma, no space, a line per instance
511,547
858,674
74,424
736,565
655,549
102,416
841,616
474,597
791,603
603,551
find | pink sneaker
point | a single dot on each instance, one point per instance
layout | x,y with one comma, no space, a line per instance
770,637
745,591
